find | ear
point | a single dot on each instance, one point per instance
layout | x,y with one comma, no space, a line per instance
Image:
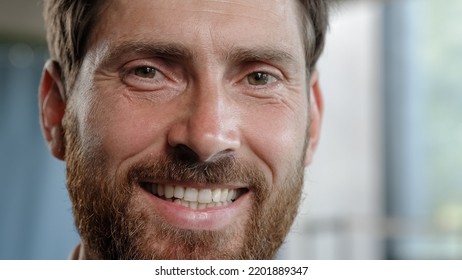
52,108
315,117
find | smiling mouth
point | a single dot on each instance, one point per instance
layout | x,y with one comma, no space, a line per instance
194,198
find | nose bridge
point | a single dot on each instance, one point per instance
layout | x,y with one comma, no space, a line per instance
210,128
208,113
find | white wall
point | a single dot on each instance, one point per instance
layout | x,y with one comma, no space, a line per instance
342,209
22,18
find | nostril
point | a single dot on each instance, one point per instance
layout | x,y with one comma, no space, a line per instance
183,153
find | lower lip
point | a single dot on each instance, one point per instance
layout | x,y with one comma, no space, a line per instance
206,219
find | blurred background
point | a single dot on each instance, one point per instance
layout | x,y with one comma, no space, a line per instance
386,182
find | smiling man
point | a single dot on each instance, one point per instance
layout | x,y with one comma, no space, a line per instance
185,125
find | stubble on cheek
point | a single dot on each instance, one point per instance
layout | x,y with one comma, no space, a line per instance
91,190
114,225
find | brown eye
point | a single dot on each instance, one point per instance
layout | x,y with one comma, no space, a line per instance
145,72
259,78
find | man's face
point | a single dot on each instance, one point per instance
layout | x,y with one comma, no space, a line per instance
187,129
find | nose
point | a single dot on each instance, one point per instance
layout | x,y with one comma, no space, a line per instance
207,129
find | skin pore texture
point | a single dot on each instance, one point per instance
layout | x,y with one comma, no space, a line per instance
188,129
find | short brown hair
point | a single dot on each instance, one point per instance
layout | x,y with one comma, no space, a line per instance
69,22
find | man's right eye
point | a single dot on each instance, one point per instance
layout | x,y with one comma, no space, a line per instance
145,72
144,77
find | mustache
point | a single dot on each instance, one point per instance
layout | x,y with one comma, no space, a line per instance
221,171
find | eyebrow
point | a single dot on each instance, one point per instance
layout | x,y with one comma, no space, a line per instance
265,54
177,52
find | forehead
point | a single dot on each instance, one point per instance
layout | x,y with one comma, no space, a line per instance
202,24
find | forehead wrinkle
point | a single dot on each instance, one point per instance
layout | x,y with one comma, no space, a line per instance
270,14
268,19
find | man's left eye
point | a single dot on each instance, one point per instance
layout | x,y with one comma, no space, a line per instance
145,72
260,78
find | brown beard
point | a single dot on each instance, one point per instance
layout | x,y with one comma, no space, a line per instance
113,225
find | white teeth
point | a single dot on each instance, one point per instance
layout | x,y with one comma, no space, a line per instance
184,203
205,196
224,195
198,206
179,192
216,195
230,195
191,194
196,199
193,205
169,190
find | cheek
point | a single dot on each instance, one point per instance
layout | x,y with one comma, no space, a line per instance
122,130
277,136
127,134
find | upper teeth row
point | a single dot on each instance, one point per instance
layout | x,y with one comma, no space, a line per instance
193,194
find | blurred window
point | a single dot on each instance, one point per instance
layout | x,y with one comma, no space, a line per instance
423,84
35,213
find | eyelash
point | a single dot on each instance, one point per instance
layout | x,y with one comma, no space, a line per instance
146,77
132,71
147,69
267,77
131,76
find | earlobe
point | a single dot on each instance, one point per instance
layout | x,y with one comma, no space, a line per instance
52,107
315,117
